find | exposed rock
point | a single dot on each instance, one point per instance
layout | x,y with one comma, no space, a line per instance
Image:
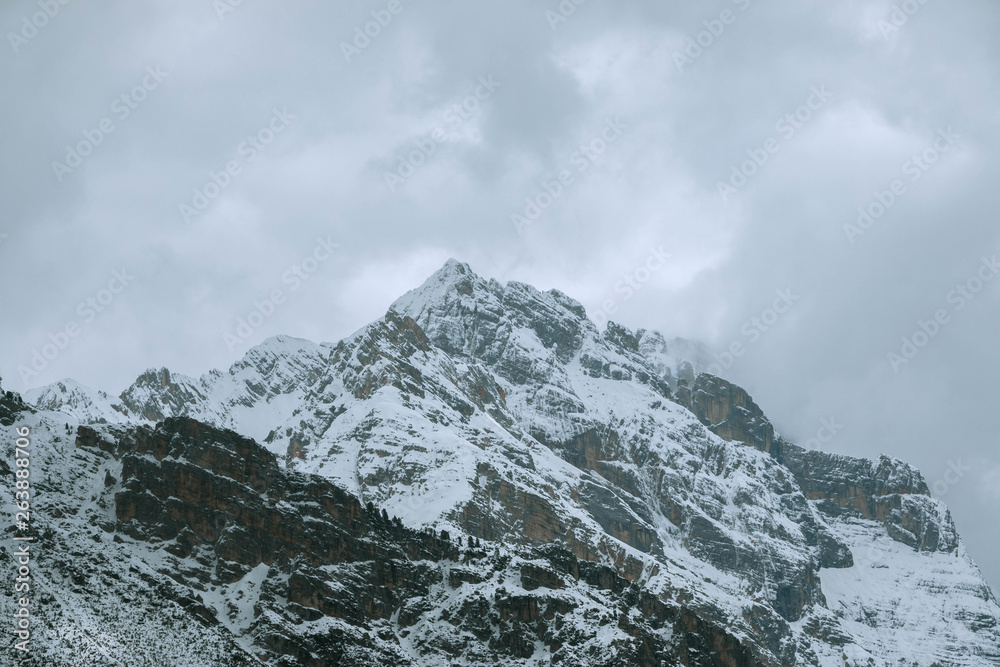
729,411
219,498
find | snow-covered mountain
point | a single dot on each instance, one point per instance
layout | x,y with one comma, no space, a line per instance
481,475
82,404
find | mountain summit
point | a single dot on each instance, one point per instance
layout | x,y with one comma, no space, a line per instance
479,476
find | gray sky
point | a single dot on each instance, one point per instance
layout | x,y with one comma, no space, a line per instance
827,106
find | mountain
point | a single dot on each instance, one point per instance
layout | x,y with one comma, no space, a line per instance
481,475
78,402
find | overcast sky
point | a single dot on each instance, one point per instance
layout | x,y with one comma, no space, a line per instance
739,138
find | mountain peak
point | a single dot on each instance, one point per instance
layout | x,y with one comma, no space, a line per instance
453,281
452,266
82,402
281,344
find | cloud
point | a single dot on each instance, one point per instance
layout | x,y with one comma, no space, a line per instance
656,186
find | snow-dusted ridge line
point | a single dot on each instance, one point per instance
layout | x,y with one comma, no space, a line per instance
500,412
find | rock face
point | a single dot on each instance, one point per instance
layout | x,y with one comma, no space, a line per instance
11,406
310,576
728,411
221,490
888,491
482,475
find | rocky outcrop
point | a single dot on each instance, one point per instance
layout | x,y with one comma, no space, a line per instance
728,411
827,476
11,405
201,487
888,490
157,394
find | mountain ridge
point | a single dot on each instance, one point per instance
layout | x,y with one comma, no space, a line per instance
499,413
